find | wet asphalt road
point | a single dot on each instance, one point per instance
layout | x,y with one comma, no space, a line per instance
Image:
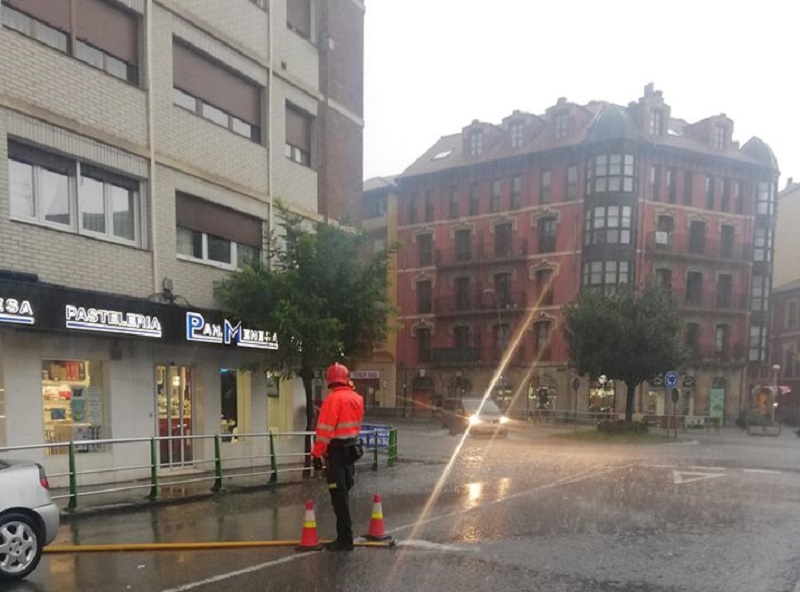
529,512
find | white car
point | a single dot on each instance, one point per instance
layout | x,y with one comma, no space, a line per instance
29,519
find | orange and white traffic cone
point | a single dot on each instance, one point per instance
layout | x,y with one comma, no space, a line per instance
309,541
377,529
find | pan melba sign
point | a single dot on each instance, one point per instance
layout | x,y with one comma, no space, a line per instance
17,311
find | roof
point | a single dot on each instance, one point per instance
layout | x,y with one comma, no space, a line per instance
379,183
612,123
788,287
758,150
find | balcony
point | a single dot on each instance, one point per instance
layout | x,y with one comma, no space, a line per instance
455,356
669,244
478,302
732,354
453,258
713,301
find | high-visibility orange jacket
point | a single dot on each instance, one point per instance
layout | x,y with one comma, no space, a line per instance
340,418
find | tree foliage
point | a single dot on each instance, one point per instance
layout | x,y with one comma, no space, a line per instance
322,293
625,336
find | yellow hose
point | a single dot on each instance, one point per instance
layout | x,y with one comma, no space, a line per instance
190,546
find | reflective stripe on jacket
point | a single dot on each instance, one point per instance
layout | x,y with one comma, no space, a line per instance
340,418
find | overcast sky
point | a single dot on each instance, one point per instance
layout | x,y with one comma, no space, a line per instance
432,66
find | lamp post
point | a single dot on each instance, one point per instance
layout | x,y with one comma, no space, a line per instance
775,369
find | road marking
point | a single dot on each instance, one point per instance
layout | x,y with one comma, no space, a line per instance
420,544
681,477
689,443
238,572
700,468
762,471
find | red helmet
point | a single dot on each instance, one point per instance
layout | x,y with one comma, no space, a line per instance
337,374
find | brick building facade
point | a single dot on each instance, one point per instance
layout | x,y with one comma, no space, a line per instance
143,143
503,224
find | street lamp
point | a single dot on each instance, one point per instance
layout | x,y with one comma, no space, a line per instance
775,369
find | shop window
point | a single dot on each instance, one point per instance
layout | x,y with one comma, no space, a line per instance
234,388
73,404
174,400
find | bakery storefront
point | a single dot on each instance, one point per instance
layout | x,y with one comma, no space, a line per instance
84,366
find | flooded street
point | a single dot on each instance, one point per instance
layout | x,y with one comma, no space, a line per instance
522,513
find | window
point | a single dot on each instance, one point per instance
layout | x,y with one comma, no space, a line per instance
494,203
791,316
719,137
216,235
655,183
610,172
606,274
299,133
474,195
572,182
721,341
71,195
298,17
476,143
412,209
502,289
762,243
542,336
687,188
423,335
710,193
725,200
425,249
697,237
502,240
738,197
692,338
694,287
424,300
758,343
671,187
759,295
502,337
74,401
429,206
461,337
560,123
233,404
547,234
608,225
516,192
765,200
544,286
790,362
726,241
664,279
517,138
462,290
463,240
106,35
656,123
453,210
724,291
216,93
544,187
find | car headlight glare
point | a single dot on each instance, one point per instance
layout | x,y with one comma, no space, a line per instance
503,420
474,420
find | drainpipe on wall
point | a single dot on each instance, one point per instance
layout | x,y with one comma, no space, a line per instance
151,141
270,128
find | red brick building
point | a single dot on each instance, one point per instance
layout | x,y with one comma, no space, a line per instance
502,225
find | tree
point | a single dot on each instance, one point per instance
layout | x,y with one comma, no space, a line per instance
623,335
323,295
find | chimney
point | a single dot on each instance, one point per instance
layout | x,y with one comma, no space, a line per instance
789,182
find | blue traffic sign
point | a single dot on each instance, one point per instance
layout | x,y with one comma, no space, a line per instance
671,379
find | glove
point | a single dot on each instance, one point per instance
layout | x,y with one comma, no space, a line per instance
317,462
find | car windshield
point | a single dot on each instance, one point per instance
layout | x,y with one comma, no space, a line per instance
489,407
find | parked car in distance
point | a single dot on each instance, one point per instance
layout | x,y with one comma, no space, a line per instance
29,519
457,414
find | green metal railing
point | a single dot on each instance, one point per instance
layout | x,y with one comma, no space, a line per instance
151,472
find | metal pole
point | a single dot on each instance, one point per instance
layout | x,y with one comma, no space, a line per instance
375,451
273,462
392,447
217,464
153,470
73,479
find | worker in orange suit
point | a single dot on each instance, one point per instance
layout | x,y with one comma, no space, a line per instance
338,442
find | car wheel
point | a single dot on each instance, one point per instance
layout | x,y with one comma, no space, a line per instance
20,548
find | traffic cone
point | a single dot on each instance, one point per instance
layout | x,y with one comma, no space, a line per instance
309,541
377,530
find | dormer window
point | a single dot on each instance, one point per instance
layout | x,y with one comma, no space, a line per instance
516,134
656,123
476,143
560,122
720,134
